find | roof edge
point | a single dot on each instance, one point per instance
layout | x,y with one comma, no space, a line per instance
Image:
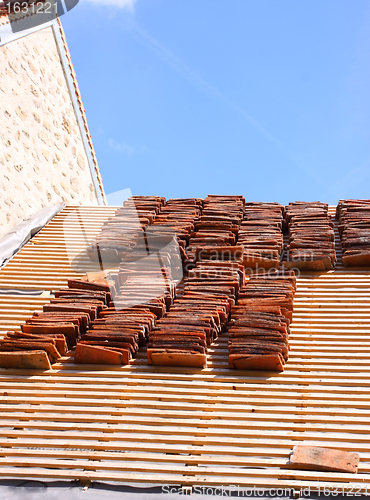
79,109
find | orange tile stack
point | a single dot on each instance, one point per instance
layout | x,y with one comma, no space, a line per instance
113,336
178,216
193,322
259,324
198,316
48,335
149,267
354,230
261,235
120,233
311,237
25,351
216,231
79,317
142,279
148,279
102,348
148,283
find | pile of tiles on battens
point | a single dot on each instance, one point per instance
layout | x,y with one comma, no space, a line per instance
49,335
147,280
121,232
217,229
148,272
261,235
200,314
311,237
178,216
354,231
152,254
171,343
142,290
259,323
101,343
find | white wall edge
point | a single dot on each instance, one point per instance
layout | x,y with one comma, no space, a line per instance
76,107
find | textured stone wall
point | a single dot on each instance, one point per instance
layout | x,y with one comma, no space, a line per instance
42,157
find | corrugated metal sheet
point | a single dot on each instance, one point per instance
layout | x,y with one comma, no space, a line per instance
141,424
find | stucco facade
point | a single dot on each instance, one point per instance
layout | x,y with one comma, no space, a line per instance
43,160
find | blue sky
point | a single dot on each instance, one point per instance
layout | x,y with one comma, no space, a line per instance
265,98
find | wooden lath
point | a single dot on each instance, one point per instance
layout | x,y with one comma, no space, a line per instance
144,424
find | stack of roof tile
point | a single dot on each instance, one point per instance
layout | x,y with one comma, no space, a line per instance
151,266
79,317
86,300
149,275
120,233
115,337
50,334
215,233
259,324
216,276
311,236
197,317
354,230
192,323
261,235
146,262
112,336
22,350
146,285
178,216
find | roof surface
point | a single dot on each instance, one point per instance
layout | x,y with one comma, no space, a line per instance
142,424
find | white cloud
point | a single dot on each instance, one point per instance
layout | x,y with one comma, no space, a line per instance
123,147
122,4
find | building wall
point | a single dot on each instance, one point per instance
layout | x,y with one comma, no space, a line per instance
42,156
